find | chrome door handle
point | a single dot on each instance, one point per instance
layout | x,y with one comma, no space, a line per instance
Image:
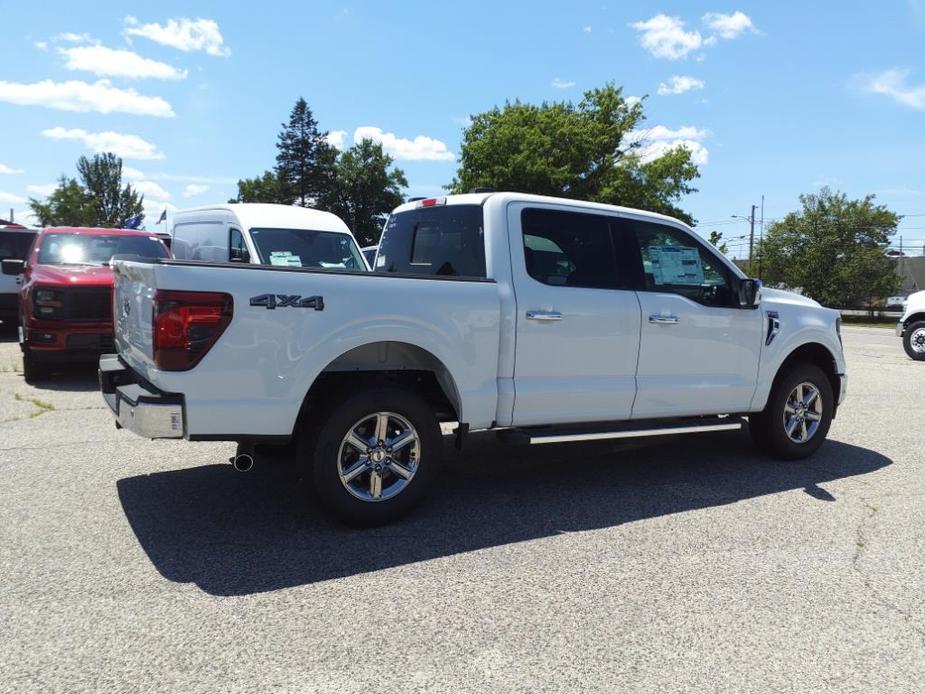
660,319
544,315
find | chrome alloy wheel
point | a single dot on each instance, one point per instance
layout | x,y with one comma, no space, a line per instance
917,341
803,412
379,456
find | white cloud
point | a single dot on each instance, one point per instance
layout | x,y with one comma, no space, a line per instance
183,34
678,84
217,180
44,190
728,26
586,29
420,148
74,95
124,145
11,198
893,83
133,174
72,37
109,62
336,138
4,169
41,45
150,189
665,37
194,189
561,84
632,100
654,142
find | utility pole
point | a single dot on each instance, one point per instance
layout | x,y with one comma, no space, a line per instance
760,238
751,239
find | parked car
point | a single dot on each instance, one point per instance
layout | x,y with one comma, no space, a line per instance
66,294
911,327
547,320
280,235
894,302
15,242
369,252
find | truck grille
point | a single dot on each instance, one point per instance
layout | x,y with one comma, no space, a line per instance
91,303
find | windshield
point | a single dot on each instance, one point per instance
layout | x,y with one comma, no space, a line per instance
307,248
96,249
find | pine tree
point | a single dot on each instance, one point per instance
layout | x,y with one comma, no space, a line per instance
301,159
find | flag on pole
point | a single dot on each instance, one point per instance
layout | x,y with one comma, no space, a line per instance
133,222
163,216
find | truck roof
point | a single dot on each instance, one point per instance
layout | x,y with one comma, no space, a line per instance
97,231
480,198
256,214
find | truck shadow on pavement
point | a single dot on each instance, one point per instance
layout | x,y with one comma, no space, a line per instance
237,534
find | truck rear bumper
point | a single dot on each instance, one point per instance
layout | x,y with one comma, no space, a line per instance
138,406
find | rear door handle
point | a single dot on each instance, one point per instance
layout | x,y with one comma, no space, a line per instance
544,315
661,319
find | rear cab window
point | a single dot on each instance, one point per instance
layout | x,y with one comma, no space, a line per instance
444,240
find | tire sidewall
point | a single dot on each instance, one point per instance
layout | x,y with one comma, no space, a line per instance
320,448
907,341
770,423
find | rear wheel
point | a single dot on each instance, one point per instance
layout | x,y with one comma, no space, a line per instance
914,340
374,456
797,417
33,370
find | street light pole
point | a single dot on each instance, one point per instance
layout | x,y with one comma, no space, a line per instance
751,239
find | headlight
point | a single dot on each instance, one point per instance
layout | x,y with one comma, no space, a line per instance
49,303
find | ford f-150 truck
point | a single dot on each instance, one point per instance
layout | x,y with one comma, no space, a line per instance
66,294
546,319
911,327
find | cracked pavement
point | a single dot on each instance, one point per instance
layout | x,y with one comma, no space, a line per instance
690,564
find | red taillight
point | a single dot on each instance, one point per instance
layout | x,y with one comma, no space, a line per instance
186,325
430,202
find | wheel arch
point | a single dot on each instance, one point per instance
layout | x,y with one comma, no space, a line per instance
812,353
914,318
387,362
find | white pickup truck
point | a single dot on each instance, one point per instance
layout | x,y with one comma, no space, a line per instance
549,320
911,327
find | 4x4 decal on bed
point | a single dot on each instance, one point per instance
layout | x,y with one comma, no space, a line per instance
272,301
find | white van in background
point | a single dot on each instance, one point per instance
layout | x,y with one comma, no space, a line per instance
265,234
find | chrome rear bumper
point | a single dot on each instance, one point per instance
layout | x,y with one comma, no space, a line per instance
136,405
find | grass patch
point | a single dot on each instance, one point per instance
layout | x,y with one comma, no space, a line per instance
41,406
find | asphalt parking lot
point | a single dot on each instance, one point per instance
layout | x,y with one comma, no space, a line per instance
691,565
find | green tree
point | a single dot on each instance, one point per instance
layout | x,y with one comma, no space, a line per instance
363,190
97,199
68,205
101,177
834,249
302,152
716,238
266,188
589,151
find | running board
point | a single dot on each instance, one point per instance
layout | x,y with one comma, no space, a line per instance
633,430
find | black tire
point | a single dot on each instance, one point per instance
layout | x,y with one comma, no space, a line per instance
768,428
33,370
916,329
321,447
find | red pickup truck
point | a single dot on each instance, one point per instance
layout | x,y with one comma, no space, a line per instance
66,296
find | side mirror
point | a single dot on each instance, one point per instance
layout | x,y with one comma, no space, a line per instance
239,255
749,293
13,266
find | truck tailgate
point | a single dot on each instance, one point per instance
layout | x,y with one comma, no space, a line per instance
133,306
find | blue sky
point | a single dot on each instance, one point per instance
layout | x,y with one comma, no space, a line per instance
773,98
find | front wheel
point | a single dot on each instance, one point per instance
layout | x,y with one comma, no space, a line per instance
797,417
374,456
33,370
914,340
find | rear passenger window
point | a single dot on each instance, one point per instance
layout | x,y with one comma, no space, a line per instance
442,240
570,249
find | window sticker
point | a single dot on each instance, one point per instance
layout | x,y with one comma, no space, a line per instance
285,259
676,265
380,260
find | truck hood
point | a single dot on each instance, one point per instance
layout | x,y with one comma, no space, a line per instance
73,275
779,296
